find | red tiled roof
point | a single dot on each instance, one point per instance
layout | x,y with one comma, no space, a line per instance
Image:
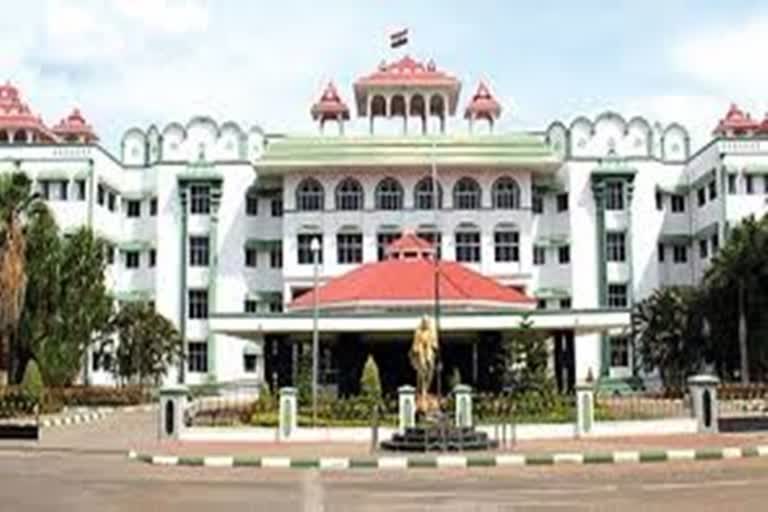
407,281
483,104
75,124
330,104
735,119
408,71
15,114
409,243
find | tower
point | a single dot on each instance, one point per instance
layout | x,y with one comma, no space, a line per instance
330,107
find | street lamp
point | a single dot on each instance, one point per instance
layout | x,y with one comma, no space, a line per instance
314,247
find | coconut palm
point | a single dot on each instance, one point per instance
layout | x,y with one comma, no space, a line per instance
16,201
740,265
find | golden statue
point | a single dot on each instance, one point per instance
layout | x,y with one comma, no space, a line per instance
422,355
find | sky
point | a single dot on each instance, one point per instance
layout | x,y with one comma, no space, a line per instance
131,63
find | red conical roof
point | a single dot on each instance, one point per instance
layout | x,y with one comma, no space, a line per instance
736,120
483,104
330,105
16,115
75,125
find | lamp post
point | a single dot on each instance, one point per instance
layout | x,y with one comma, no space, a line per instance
438,238
314,248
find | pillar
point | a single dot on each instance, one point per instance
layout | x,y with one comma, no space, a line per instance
463,405
288,413
703,390
173,403
585,408
406,407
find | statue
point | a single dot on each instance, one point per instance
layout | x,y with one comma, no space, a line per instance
422,355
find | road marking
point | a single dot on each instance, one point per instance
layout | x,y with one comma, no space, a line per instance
626,456
276,462
451,461
681,454
568,458
393,463
165,460
218,462
732,453
510,460
334,463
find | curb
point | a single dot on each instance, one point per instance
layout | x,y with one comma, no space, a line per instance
457,461
88,417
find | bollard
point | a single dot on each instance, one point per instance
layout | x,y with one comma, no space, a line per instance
406,407
375,429
173,403
703,390
463,405
288,413
585,408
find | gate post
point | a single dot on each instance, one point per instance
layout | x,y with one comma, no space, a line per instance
463,404
406,408
703,390
173,403
585,408
288,413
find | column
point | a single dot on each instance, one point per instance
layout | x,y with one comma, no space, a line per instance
703,390
183,195
585,407
463,403
213,271
173,403
288,413
406,407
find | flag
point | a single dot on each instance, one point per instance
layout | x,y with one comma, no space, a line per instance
398,39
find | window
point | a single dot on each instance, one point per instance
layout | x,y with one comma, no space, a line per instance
304,245
539,255
349,248
564,254
250,306
562,202
715,243
703,248
619,351
110,254
382,242
389,195
276,256
251,204
132,259
468,246
101,194
678,203
310,196
614,195
565,303
112,202
249,363
349,195
80,190
251,257
615,246
199,251
731,183
659,201
198,303
434,238
276,207
45,189
200,199
506,245
423,195
617,295
152,258
712,190
749,183
276,306
541,304
153,207
660,249
466,194
506,194
701,195
197,357
537,201
679,253
133,208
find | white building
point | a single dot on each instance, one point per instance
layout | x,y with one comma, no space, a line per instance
213,224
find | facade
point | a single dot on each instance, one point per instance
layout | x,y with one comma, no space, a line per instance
213,223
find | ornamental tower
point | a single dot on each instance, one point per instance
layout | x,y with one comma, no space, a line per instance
482,106
407,88
330,107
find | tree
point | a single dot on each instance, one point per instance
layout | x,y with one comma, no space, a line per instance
67,309
32,383
370,384
741,265
670,333
524,360
147,344
16,200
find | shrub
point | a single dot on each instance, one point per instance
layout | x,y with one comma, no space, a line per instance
370,384
99,396
32,383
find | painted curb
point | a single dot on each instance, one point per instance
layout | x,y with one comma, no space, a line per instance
443,461
88,417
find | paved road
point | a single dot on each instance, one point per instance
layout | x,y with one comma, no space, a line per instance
103,479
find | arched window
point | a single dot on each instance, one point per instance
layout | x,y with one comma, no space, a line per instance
389,195
466,194
349,195
506,194
423,194
310,196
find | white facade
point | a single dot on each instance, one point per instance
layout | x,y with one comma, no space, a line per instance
669,234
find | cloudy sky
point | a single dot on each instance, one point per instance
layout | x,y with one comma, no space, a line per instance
134,62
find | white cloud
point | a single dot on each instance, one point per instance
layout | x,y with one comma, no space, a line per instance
170,16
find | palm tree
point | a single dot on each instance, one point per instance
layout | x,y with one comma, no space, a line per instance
16,201
739,266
